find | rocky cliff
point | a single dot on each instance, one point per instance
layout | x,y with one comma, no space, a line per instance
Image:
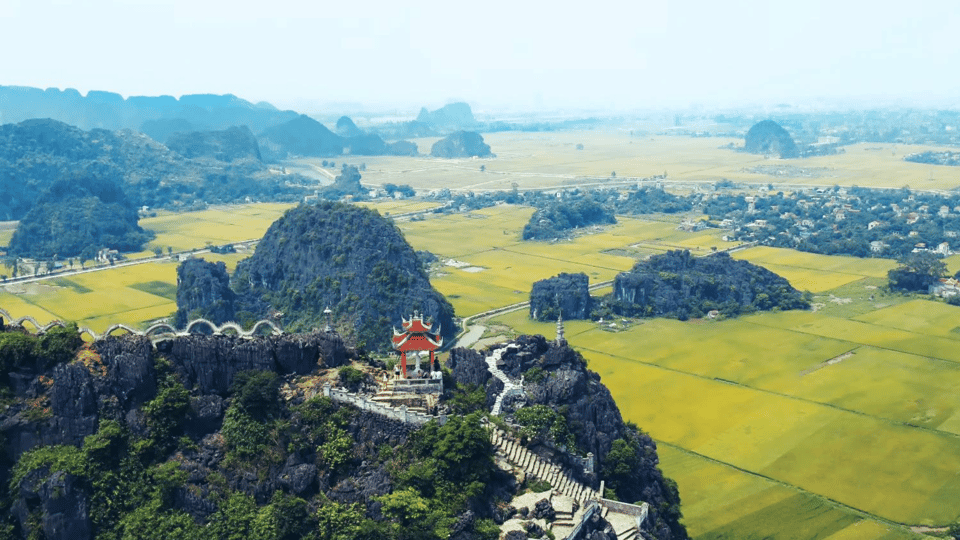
564,294
211,437
556,377
203,292
344,257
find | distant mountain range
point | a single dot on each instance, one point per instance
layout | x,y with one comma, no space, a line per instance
150,115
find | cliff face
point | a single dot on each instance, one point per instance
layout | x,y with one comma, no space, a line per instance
203,291
565,294
209,363
119,376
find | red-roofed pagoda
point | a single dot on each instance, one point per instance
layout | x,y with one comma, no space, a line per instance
416,336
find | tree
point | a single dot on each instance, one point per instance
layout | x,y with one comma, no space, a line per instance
157,250
917,272
87,254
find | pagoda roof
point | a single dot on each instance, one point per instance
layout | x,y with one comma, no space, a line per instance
417,342
416,325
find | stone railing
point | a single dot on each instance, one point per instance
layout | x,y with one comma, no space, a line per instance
589,511
157,331
364,403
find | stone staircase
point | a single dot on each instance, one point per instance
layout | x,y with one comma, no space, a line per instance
509,387
562,481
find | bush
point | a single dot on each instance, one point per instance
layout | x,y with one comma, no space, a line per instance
543,423
257,393
350,376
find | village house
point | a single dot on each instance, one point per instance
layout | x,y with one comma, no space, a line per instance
945,288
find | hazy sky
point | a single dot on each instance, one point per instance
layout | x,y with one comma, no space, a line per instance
494,54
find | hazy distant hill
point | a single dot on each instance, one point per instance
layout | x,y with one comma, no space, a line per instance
346,127
461,144
36,153
230,144
111,111
450,116
768,137
304,136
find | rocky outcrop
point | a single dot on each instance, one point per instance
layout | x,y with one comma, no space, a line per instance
117,374
565,381
203,291
349,259
678,284
461,144
77,215
564,294
468,367
62,505
209,363
769,138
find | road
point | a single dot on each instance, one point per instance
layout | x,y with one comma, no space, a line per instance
121,264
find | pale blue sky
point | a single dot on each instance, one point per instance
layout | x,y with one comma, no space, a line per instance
493,54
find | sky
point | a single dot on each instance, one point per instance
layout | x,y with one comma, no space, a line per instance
496,55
